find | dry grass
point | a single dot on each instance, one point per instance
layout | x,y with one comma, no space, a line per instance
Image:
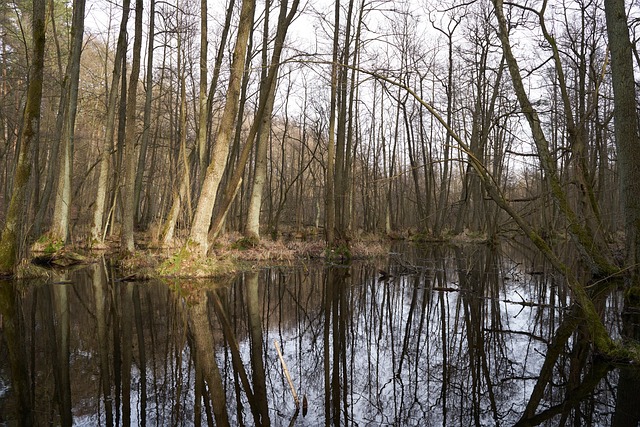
230,253
369,249
294,249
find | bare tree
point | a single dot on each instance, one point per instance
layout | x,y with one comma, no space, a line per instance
202,218
626,129
146,123
126,232
101,191
60,226
263,120
11,238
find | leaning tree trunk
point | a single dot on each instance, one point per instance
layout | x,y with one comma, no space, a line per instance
597,261
601,265
213,86
204,210
11,238
268,89
252,227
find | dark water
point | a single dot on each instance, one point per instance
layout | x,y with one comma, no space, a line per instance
444,337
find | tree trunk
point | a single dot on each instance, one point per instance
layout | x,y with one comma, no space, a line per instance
60,225
267,91
341,166
54,145
445,181
144,141
184,190
101,192
11,238
204,210
626,128
202,96
252,227
330,202
214,79
592,253
129,211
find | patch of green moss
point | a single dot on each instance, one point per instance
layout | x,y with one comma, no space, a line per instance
186,263
340,253
173,265
245,243
48,244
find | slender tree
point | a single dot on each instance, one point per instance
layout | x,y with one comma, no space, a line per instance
101,191
450,87
329,201
126,232
202,94
60,226
146,123
263,121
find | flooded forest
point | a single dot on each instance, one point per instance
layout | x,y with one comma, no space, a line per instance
448,336
492,147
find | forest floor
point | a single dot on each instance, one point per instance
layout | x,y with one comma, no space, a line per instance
229,254
232,253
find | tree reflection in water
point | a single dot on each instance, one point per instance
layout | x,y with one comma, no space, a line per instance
444,337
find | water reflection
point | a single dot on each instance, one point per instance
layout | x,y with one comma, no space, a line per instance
434,336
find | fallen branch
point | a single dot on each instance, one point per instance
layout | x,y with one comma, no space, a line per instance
286,373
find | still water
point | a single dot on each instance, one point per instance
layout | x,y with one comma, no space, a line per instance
426,337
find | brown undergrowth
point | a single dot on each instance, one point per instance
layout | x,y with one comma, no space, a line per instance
233,253
230,254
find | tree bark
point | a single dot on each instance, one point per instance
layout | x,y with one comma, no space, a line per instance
213,86
126,232
204,209
202,96
101,192
626,128
60,225
11,238
342,144
54,145
329,201
252,227
146,125
268,90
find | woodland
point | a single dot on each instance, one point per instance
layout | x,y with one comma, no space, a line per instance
187,120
